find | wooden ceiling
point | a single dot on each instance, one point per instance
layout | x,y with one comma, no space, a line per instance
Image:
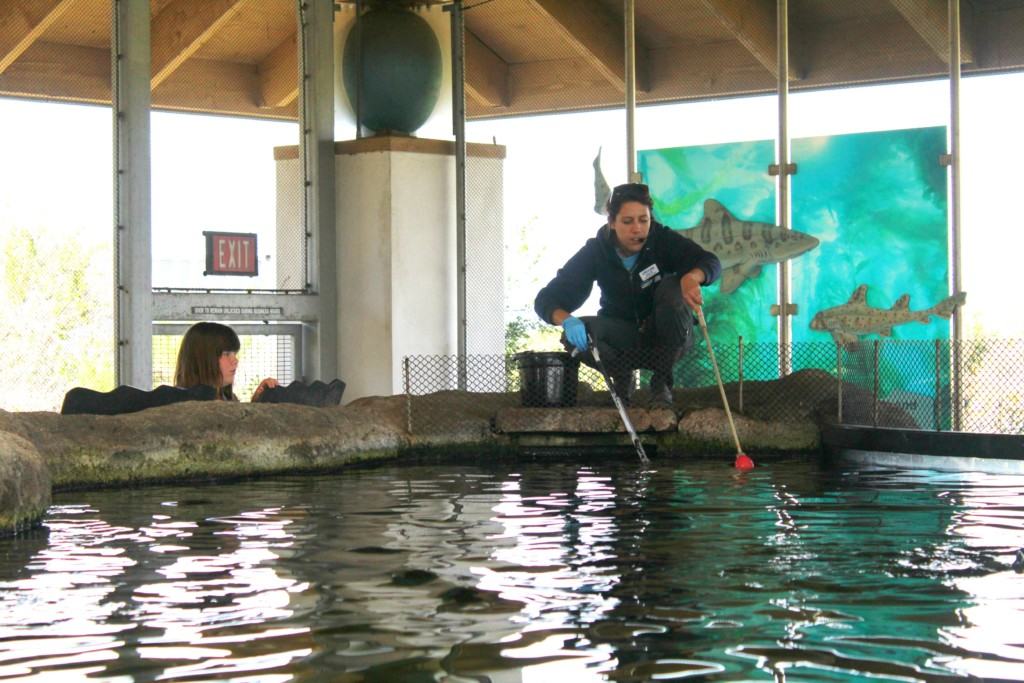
238,57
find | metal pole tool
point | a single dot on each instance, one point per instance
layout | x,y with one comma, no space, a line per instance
618,402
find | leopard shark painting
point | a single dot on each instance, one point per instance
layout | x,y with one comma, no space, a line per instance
848,322
742,246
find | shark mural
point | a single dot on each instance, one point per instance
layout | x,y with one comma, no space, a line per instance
849,321
742,246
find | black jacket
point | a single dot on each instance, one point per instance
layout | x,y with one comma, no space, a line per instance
627,295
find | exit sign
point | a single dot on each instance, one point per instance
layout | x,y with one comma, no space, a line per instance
231,253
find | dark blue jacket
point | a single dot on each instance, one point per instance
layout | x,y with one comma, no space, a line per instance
627,295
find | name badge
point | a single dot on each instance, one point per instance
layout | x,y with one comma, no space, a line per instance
649,272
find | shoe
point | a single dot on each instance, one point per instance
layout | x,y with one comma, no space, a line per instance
624,387
661,393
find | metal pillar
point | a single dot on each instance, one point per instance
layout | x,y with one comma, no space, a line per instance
954,151
630,79
133,267
359,69
785,169
459,130
316,60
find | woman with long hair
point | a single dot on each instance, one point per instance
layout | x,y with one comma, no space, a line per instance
209,355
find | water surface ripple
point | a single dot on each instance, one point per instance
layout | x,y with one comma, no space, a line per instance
529,571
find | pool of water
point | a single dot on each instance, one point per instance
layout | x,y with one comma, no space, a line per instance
530,571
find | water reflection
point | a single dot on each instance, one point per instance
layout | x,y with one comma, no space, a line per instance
525,572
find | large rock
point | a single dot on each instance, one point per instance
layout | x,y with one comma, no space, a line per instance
201,440
24,484
581,420
711,425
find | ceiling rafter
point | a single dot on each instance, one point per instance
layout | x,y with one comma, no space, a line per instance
754,23
598,36
930,20
182,28
279,74
486,74
22,22
60,72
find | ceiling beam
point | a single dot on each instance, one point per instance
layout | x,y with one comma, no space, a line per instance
21,24
279,75
847,53
486,74
202,85
182,28
755,24
54,71
598,36
930,20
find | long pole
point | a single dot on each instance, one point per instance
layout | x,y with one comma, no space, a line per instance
743,461
618,403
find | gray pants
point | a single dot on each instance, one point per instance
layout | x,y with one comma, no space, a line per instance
656,344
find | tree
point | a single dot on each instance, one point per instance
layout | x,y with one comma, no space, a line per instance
56,313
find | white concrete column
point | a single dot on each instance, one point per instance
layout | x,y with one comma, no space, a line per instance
396,256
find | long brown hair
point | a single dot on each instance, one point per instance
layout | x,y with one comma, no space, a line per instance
199,357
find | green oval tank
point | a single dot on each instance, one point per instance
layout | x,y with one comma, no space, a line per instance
401,70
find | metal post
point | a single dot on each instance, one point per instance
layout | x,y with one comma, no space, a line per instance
739,405
938,386
316,114
954,138
133,267
874,391
839,383
782,21
630,79
459,125
408,395
359,68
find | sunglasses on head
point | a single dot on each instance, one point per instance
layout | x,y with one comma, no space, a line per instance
631,189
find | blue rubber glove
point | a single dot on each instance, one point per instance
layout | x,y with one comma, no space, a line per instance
575,332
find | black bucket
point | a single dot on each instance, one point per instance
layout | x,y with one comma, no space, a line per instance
547,379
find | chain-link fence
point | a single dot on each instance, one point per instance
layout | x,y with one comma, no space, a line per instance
886,383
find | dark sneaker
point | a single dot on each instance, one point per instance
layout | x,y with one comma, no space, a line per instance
661,393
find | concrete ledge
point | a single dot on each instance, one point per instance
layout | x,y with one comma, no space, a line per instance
836,438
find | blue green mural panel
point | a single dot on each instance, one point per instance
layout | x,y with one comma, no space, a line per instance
736,176
876,204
